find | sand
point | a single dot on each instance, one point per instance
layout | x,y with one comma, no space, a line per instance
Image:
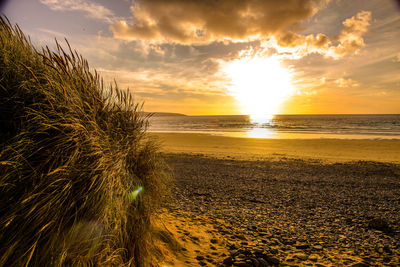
331,150
253,202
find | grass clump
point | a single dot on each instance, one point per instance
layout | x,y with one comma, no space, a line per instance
72,153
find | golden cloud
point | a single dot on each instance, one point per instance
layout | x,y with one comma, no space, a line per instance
343,83
350,39
193,21
290,39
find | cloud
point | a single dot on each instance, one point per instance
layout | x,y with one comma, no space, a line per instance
343,83
92,10
290,39
398,57
193,21
350,39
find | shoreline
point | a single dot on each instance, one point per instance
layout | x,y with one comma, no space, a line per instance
262,133
327,150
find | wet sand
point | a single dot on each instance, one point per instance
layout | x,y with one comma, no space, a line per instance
333,150
325,208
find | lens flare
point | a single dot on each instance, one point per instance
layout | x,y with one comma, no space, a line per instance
133,195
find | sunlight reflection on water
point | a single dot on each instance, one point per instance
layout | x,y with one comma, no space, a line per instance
261,133
262,127
265,119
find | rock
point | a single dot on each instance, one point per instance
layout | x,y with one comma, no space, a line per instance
271,260
241,255
262,262
240,236
288,242
213,240
234,252
387,259
290,259
360,264
199,258
313,257
302,246
242,264
274,251
232,246
210,260
387,250
380,224
228,261
318,247
301,256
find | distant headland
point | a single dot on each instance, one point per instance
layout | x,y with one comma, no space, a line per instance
163,114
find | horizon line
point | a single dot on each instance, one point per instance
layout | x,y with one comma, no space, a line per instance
284,114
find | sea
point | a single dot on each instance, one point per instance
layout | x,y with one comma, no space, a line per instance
381,126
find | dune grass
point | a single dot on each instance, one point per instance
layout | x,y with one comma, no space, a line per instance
72,154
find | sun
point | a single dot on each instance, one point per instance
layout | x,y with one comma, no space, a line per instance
260,85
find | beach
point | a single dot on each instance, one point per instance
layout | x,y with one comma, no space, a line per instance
329,150
262,202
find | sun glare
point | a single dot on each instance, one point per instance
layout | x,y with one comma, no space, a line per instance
260,85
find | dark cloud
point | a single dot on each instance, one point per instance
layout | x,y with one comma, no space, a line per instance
2,5
194,21
398,3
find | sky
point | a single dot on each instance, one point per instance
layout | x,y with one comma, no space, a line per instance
232,56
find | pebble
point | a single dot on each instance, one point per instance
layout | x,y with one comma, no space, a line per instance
341,212
313,257
360,264
263,263
318,247
271,260
242,264
301,256
302,246
228,261
199,258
